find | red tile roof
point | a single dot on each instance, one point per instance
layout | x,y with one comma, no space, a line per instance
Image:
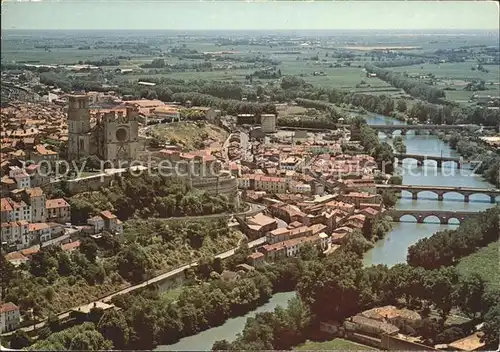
8,307
70,246
108,215
56,203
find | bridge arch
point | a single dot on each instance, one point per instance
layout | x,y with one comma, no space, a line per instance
458,195
431,217
415,194
487,197
399,217
454,220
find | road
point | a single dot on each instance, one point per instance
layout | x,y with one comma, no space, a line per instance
153,280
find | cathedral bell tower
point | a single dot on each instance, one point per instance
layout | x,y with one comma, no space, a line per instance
78,127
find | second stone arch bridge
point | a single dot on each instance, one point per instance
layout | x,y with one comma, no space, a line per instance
421,215
442,190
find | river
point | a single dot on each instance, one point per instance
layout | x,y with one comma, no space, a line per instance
393,248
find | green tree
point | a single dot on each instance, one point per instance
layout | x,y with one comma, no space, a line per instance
396,180
113,327
470,292
389,199
368,229
53,323
221,345
337,279
7,273
429,329
491,326
90,341
401,105
19,340
133,263
89,249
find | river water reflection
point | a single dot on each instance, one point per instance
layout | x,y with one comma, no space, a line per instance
393,248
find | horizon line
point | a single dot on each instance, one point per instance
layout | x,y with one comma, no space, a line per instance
253,29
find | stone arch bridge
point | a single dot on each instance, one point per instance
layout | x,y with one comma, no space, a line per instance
438,159
420,215
442,190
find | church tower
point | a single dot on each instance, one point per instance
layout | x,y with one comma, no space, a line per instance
78,127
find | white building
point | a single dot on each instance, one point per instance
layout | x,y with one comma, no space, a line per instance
16,233
40,231
21,177
10,316
58,210
291,163
36,200
299,187
244,182
268,123
106,221
20,210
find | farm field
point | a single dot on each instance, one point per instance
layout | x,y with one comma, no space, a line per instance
455,70
336,62
484,262
463,96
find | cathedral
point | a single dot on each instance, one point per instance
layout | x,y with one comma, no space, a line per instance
113,136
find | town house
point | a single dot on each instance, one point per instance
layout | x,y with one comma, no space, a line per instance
37,201
106,221
10,316
58,210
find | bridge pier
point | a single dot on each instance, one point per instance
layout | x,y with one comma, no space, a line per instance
420,220
403,132
439,164
440,197
466,197
459,165
414,195
443,220
492,198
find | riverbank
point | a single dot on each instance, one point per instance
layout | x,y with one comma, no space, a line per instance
227,331
473,148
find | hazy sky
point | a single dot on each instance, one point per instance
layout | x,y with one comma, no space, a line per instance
144,14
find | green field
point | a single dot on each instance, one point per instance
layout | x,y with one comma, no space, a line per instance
485,262
333,345
454,70
301,57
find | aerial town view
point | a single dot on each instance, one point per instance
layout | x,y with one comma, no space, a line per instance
250,175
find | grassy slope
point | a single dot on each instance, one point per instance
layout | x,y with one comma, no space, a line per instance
189,135
333,345
484,262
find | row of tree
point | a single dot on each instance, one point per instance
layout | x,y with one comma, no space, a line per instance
474,149
410,86
399,145
368,138
400,62
446,247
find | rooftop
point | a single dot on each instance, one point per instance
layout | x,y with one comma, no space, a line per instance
8,307
56,203
469,343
